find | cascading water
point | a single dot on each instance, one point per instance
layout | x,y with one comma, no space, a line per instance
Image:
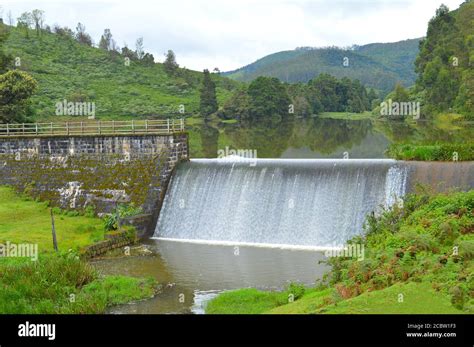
309,203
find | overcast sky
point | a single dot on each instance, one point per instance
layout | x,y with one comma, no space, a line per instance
231,33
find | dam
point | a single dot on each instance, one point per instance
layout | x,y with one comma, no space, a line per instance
294,203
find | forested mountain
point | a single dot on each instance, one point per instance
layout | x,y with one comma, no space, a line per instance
377,65
66,66
445,64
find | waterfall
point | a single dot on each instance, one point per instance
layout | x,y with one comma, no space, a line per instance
280,202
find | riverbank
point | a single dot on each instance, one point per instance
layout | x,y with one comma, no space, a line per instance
35,279
435,152
418,259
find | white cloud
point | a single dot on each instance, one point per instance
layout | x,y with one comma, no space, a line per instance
232,33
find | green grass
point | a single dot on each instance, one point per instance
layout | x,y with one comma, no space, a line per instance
25,221
253,301
246,301
62,283
415,298
56,282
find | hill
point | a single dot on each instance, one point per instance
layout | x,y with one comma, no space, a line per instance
67,69
377,65
445,74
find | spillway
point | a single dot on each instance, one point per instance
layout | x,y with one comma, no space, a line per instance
280,202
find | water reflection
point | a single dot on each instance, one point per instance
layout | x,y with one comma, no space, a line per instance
319,137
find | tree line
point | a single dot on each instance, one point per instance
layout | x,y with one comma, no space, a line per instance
268,96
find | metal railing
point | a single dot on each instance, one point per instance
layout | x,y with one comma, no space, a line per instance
161,126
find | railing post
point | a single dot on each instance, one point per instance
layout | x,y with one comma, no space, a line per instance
113,127
133,127
82,128
51,128
36,127
23,128
146,125
99,126
8,131
182,124
67,128
168,125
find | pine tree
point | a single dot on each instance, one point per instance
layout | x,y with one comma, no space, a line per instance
208,102
106,40
170,64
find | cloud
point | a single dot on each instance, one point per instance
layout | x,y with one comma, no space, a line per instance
231,33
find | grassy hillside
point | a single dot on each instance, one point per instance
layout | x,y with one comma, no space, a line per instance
378,65
66,69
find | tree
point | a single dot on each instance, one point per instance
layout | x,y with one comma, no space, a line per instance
237,106
148,59
25,21
302,107
37,17
128,53
268,97
82,36
208,100
105,42
16,87
400,94
114,48
5,59
64,32
139,48
170,65
10,19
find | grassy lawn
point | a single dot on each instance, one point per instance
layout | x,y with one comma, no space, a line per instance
57,282
246,301
27,221
417,298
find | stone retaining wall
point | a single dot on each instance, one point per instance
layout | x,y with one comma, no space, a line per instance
98,172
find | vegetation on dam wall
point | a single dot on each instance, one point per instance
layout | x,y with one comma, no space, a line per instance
84,180
92,171
418,258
